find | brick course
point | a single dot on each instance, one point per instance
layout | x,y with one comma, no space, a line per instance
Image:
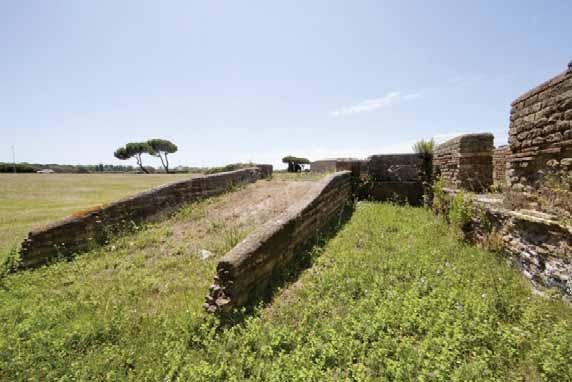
540,130
466,162
80,233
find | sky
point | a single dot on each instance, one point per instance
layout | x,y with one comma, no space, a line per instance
234,81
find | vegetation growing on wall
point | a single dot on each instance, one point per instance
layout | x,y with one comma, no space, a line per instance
425,147
228,167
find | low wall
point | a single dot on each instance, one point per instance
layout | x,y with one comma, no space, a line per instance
355,166
267,170
245,272
327,165
82,232
465,162
540,246
398,176
540,131
501,156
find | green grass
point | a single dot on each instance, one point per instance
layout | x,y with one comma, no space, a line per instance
28,201
393,296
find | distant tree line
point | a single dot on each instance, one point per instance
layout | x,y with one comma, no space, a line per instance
65,168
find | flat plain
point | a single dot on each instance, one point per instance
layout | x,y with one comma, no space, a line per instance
29,201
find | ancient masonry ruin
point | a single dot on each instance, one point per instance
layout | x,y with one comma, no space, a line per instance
540,131
81,233
540,244
501,155
540,140
246,271
466,162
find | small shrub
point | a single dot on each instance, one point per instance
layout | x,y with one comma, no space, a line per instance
555,195
461,210
498,188
10,263
425,147
440,200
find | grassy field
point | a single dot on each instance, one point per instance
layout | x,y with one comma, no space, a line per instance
393,296
31,200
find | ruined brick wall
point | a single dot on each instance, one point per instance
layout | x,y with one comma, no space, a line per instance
326,165
355,166
80,233
245,272
501,156
398,176
540,130
538,243
466,162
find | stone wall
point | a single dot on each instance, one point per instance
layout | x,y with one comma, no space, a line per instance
355,166
466,162
540,246
501,156
326,165
398,176
245,272
83,231
540,130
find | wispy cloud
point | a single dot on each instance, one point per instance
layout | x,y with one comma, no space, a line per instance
376,103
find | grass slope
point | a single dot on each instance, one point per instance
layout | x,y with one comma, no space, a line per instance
31,200
394,296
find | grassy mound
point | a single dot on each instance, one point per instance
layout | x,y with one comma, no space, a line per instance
394,296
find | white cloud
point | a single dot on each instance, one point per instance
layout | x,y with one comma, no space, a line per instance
375,103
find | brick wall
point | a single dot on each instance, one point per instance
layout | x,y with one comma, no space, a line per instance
466,162
326,165
538,243
80,233
501,156
245,272
398,176
540,130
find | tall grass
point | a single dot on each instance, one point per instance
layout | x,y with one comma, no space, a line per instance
394,296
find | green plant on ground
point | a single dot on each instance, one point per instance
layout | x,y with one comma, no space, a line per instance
28,201
440,201
461,210
393,296
555,194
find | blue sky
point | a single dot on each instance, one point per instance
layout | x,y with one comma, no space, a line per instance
232,81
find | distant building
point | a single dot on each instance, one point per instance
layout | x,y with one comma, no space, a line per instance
45,171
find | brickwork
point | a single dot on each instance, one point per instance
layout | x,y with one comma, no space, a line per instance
501,156
466,162
399,177
245,272
540,131
538,243
80,233
326,165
